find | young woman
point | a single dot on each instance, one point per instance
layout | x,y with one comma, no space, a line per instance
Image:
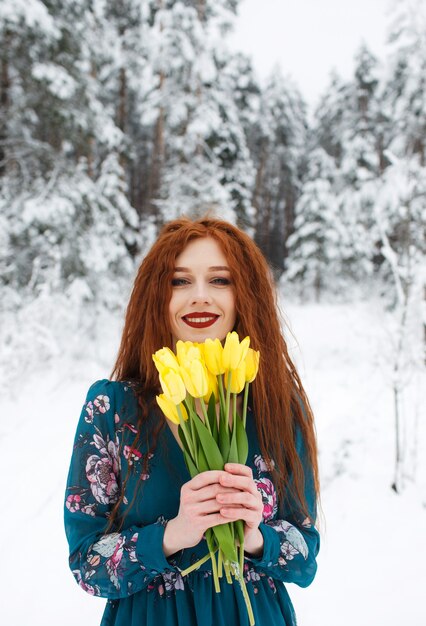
133,516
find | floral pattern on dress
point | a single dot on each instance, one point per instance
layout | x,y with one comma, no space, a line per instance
266,487
101,472
293,541
108,553
102,469
100,404
92,590
252,576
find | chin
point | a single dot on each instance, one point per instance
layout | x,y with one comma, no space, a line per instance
201,336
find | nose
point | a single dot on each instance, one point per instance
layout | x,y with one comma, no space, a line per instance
200,294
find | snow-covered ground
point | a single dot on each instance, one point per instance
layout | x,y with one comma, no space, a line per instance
370,571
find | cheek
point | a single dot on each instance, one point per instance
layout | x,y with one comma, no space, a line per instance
173,306
232,311
232,306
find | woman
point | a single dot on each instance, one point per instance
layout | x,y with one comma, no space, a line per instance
134,519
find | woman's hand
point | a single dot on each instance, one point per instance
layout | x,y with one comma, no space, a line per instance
199,510
243,502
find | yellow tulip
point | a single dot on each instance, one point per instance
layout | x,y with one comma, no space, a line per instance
238,378
187,351
165,359
172,385
194,374
252,364
170,409
234,352
213,388
213,351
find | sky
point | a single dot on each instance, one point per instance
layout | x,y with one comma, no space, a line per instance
308,38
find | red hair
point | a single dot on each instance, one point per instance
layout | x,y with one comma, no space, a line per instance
279,400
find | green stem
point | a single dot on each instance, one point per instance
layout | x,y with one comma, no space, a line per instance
234,409
191,409
227,572
246,390
228,398
212,550
221,393
220,564
246,598
215,574
242,558
206,417
186,432
196,565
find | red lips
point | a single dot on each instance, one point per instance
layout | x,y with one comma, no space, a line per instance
200,320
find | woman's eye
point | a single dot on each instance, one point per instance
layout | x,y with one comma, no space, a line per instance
177,282
221,281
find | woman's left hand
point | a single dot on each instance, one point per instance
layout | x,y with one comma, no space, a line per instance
244,502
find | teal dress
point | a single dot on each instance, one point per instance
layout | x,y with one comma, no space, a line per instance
128,566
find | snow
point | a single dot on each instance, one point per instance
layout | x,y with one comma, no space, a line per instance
369,567
61,84
33,13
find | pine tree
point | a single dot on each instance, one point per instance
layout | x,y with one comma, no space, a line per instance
277,143
200,157
405,91
313,263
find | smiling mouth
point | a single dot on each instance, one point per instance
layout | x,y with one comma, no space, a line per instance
198,320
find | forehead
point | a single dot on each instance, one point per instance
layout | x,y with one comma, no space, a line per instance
204,251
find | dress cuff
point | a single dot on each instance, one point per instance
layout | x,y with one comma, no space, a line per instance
271,547
149,549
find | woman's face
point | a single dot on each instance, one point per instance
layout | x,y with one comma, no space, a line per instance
203,303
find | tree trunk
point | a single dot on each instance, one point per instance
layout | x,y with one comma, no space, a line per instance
122,94
396,485
157,160
259,202
4,100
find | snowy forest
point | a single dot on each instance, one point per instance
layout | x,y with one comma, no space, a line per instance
118,115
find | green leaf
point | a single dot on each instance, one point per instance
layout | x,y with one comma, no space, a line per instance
211,412
208,446
224,442
239,527
184,442
233,450
193,471
203,465
242,441
226,541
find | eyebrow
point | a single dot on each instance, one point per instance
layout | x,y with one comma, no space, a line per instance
214,268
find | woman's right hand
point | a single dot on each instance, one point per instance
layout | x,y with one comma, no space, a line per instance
198,511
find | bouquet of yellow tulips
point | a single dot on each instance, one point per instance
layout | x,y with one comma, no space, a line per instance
212,373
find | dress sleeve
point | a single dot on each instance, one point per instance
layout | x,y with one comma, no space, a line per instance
291,545
114,564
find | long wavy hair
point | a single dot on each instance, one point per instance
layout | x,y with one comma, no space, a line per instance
279,401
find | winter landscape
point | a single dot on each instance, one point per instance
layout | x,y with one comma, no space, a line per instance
369,570
114,118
